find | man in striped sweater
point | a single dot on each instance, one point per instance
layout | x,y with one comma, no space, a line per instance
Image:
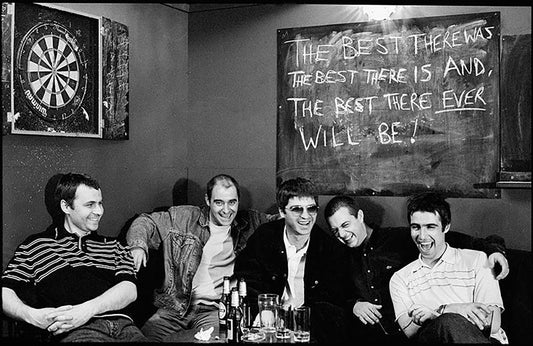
447,295
69,280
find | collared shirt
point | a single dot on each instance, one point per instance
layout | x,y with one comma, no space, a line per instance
386,251
459,276
55,267
372,265
293,294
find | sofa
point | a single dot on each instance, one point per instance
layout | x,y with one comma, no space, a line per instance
516,291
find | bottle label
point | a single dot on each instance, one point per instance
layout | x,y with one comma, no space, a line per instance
221,311
230,329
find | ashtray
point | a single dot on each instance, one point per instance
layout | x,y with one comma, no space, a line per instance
253,335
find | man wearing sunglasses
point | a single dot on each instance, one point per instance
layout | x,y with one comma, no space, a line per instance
294,258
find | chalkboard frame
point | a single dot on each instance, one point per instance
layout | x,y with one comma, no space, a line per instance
515,93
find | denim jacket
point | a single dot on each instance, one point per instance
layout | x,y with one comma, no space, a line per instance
183,232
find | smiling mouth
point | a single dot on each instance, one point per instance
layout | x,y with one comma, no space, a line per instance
226,217
425,246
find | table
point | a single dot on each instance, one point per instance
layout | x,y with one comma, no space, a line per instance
187,336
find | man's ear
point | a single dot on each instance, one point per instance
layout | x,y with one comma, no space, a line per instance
361,215
206,200
447,228
64,206
281,212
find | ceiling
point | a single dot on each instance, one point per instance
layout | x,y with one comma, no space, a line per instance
206,6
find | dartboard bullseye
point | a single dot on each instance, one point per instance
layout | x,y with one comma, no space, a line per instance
52,71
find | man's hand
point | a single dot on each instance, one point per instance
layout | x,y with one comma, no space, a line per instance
367,312
421,313
46,317
498,257
79,315
476,313
139,258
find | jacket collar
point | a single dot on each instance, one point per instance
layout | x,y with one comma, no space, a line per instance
237,225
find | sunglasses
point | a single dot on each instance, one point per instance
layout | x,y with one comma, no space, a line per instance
298,210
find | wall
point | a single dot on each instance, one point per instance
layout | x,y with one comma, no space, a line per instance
136,174
232,103
203,101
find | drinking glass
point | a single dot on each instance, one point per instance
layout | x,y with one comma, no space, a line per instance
302,324
268,311
284,322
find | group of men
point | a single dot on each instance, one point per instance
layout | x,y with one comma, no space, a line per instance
362,282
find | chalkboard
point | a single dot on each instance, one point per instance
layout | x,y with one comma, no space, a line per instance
391,107
516,108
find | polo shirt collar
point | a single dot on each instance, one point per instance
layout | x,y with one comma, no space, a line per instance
448,256
59,232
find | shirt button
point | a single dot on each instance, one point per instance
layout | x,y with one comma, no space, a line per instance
372,287
273,277
364,254
376,300
368,270
316,282
371,248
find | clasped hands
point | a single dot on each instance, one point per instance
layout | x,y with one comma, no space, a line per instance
61,319
476,313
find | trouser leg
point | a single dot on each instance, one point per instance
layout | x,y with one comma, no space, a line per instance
162,324
450,328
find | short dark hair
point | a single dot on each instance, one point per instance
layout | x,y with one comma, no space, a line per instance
68,184
297,187
338,202
431,202
225,178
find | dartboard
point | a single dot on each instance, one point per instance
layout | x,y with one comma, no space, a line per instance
52,71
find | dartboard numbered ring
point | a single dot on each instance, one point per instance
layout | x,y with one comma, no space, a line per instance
52,71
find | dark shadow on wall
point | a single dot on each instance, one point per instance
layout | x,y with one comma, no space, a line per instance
373,212
52,205
179,192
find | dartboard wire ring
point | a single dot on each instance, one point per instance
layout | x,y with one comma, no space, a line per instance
52,67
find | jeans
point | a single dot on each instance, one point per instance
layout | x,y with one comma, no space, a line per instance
105,329
167,326
451,328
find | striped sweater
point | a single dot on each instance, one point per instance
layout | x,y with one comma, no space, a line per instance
55,268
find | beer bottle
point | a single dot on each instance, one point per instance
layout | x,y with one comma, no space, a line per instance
223,306
234,318
246,321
